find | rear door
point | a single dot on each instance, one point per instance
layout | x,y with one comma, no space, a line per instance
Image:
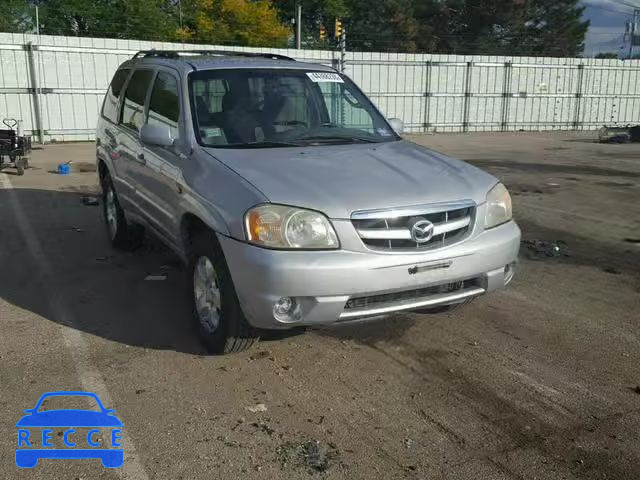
132,117
160,175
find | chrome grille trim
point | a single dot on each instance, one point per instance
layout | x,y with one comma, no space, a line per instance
405,233
411,211
429,301
389,230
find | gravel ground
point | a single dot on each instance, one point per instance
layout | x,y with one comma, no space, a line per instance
540,380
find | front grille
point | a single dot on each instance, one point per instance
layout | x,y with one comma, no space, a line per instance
392,229
373,301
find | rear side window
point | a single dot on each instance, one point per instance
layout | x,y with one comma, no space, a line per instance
132,115
110,105
164,104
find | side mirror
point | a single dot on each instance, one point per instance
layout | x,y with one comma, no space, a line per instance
156,135
397,125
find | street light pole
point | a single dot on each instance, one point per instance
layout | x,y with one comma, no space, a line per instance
298,26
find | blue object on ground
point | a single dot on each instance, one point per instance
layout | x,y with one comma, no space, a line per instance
64,169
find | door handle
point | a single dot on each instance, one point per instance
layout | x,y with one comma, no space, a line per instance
141,159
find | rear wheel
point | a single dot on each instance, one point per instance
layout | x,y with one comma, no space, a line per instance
122,234
219,320
20,166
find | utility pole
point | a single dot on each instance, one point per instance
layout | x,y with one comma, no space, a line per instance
343,50
298,26
181,24
633,32
37,23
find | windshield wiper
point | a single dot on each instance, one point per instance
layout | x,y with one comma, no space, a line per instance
335,138
262,144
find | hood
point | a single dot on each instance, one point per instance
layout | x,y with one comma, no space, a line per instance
341,179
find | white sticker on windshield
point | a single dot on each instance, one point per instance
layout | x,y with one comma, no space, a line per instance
325,77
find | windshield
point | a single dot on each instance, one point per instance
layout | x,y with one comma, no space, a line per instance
244,108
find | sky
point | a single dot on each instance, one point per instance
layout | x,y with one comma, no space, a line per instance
608,19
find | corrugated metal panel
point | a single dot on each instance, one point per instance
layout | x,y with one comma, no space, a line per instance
428,92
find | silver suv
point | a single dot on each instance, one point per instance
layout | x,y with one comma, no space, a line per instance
291,198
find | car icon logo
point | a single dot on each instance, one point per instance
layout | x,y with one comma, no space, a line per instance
422,231
82,433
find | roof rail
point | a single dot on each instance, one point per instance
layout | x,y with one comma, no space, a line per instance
229,53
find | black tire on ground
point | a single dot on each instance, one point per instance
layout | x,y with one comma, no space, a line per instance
20,166
233,334
122,235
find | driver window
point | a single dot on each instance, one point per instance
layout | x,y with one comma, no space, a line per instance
164,104
343,108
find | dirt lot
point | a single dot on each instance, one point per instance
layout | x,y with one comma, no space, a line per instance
541,380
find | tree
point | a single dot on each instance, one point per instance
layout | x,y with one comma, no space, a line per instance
607,55
501,27
387,25
133,19
314,14
236,22
16,16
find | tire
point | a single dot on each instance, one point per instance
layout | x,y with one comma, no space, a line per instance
121,234
232,332
20,166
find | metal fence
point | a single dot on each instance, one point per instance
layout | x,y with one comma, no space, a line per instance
55,86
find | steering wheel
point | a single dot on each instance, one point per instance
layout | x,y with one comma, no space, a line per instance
10,122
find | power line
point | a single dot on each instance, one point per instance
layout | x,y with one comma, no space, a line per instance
608,9
626,4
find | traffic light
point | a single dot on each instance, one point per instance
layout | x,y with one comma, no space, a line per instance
323,33
338,30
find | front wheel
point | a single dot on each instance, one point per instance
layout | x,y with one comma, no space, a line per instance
220,322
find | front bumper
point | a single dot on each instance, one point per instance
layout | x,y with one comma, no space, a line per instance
323,282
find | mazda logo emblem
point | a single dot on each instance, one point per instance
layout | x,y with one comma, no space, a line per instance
422,231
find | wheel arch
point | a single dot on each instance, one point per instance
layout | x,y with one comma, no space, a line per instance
192,225
103,170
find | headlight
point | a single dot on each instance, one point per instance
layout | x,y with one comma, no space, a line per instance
280,226
498,207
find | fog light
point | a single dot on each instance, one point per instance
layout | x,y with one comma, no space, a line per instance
509,272
284,309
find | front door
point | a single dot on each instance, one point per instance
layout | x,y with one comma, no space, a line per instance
160,173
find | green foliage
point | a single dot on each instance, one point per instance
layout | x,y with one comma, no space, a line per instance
607,55
314,14
387,26
488,27
134,19
502,27
16,16
235,22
